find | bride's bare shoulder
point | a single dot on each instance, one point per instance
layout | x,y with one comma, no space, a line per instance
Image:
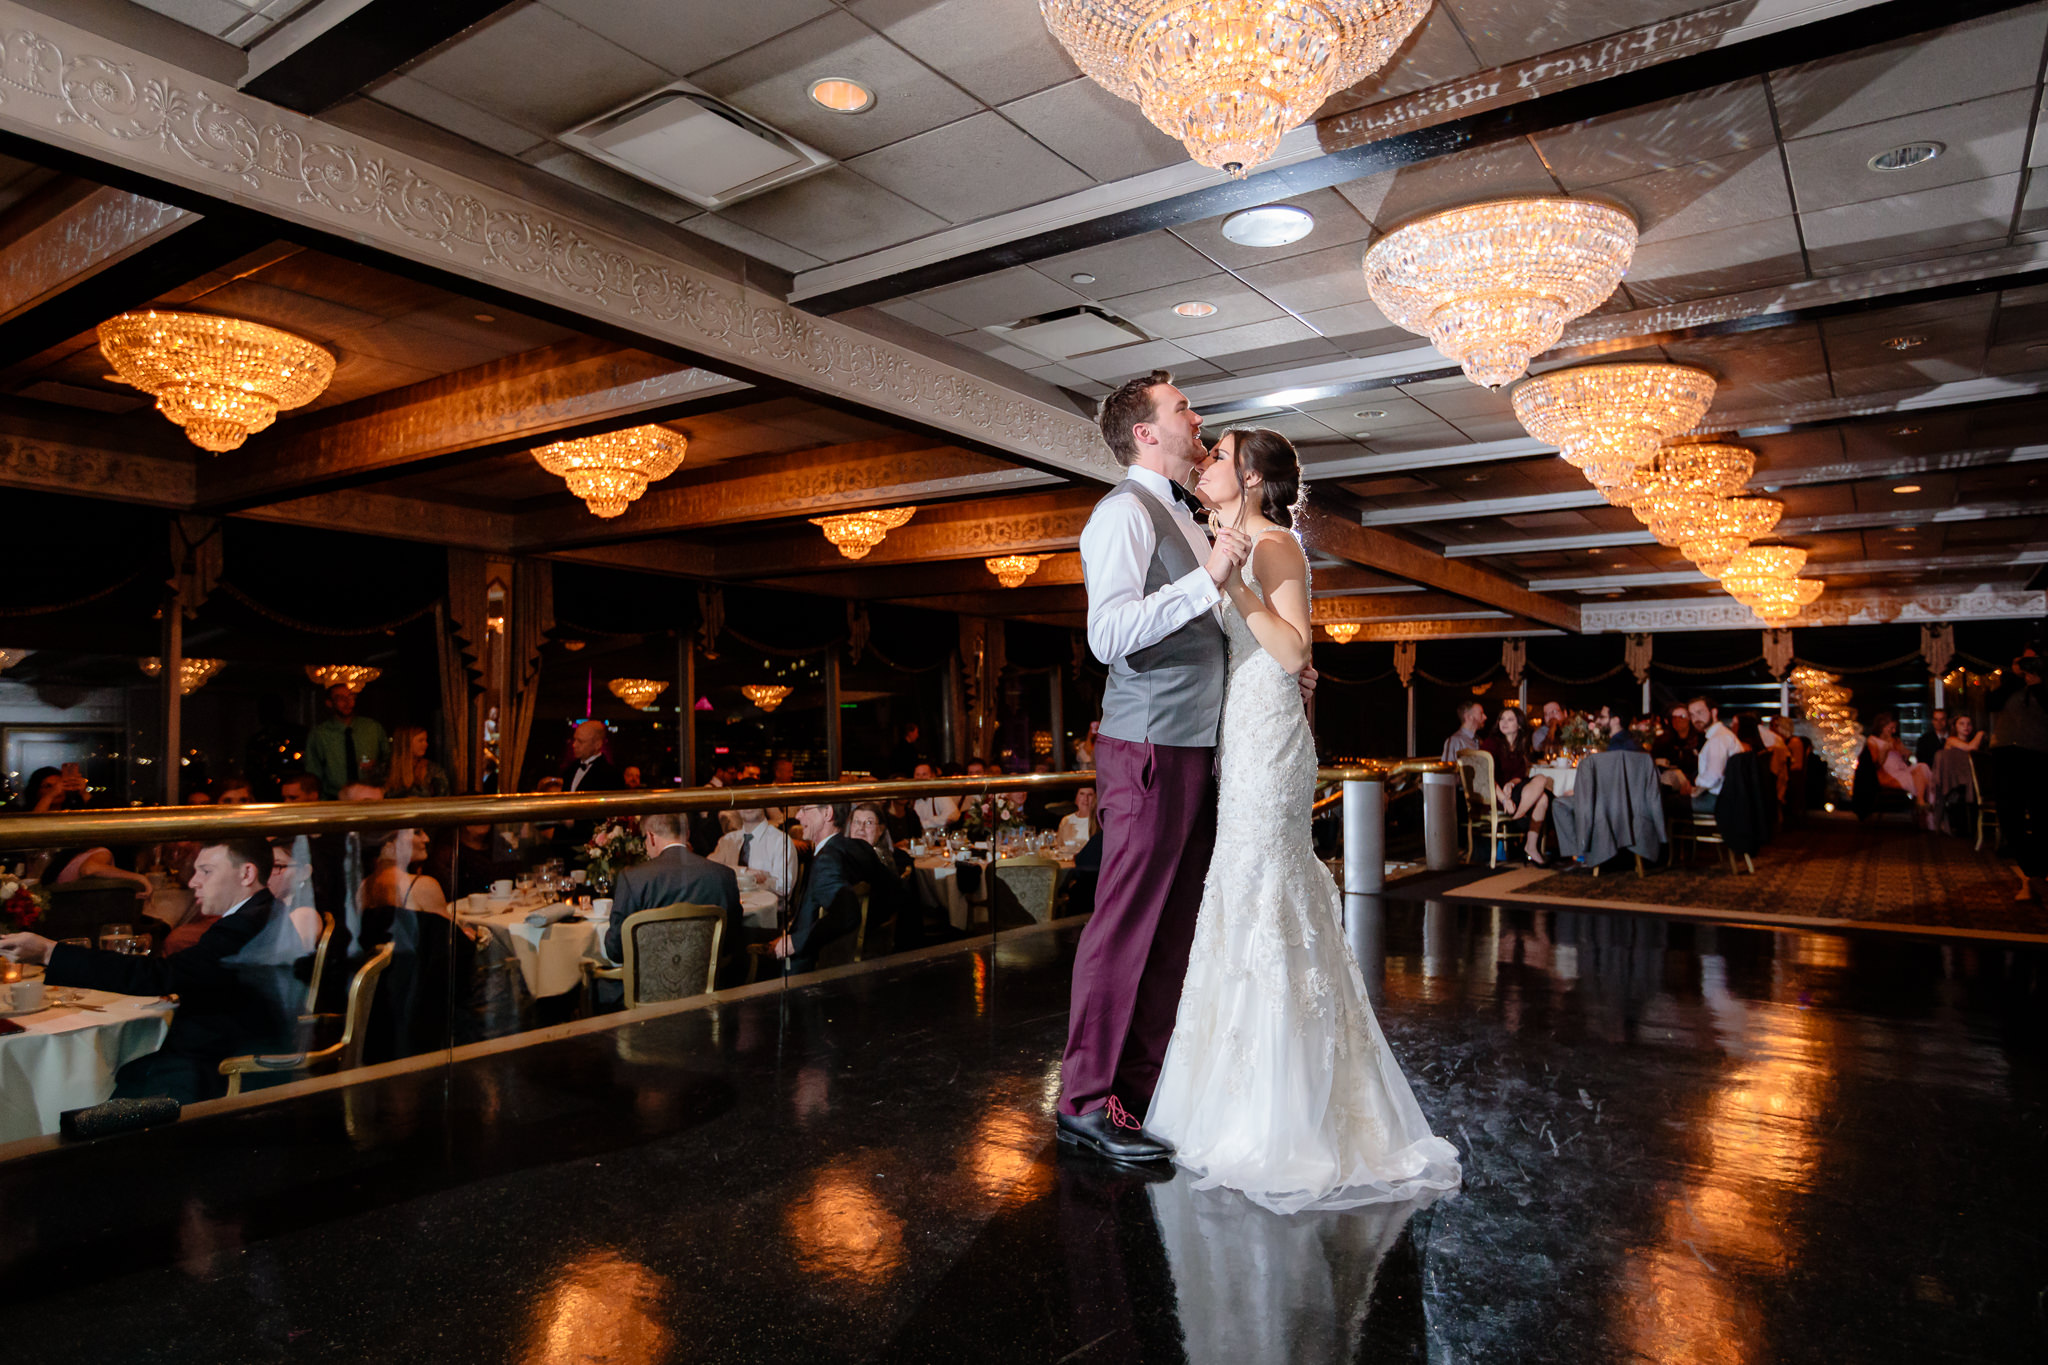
1276,552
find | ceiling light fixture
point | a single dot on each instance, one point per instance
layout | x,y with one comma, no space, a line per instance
1608,420
1371,414
1012,570
1229,78
638,693
856,533
1905,343
1082,278
1343,632
222,379
1492,285
1907,488
193,674
1195,308
485,317
767,696
610,470
1905,431
1269,225
1905,157
842,96
355,677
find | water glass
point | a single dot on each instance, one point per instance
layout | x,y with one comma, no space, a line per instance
111,934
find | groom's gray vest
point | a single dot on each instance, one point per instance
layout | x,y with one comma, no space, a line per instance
1170,692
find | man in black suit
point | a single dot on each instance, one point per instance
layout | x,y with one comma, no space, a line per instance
826,908
224,1009
673,874
588,769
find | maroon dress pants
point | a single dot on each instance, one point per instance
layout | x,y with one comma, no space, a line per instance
1157,803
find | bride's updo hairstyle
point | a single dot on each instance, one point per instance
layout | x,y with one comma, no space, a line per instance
1271,456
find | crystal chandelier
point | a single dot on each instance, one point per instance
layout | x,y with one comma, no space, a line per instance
1228,78
1716,470
1344,632
767,696
856,533
193,674
638,693
1609,420
219,378
1824,701
1765,578
611,470
1012,570
1493,284
355,677
1712,553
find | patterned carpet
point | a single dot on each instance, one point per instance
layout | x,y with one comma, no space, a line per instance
1883,872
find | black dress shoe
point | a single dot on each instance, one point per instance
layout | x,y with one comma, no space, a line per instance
1111,1132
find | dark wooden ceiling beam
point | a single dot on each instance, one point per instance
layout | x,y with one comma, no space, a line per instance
1337,534
370,43
889,582
1029,523
578,388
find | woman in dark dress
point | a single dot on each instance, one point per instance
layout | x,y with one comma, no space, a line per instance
1521,795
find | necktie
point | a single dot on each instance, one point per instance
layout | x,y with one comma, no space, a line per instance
348,751
746,842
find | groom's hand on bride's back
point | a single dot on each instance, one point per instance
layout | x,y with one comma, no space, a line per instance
1228,554
1307,681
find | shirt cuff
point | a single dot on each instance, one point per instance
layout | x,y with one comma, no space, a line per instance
1200,588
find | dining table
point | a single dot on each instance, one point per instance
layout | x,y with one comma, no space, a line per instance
957,883
549,954
1563,776
67,1054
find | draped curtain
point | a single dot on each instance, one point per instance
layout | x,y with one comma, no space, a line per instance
459,640
529,617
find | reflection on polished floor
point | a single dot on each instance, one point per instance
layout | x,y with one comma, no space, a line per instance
1682,1143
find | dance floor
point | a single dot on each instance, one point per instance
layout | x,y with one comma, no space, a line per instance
1683,1143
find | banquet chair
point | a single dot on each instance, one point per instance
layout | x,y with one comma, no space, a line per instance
1700,827
319,962
669,953
348,1052
840,951
1028,882
1987,813
1482,805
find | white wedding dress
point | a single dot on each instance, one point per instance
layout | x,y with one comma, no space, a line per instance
1277,1081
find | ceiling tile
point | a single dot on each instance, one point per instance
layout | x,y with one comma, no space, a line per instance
1128,266
772,82
1337,222
1982,57
919,315
745,240
1261,346
833,215
997,49
1103,135
1909,223
1392,198
971,169
1434,53
1983,138
1236,304
1725,262
1322,279
1710,123
1004,297
1341,414
457,116
601,179
1114,367
1068,379
1503,31
534,68
1705,196
682,38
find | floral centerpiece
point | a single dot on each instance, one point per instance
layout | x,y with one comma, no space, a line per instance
982,816
22,904
615,844
1578,735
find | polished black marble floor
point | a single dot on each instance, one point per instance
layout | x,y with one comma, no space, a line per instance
1682,1143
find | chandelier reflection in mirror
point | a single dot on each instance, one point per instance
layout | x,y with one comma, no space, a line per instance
1609,420
1229,78
1494,284
1012,570
193,674
638,693
221,379
767,696
1343,632
856,533
609,471
355,677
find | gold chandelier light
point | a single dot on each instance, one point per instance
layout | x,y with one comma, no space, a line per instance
638,693
609,471
1765,578
856,533
1229,78
1609,420
1012,570
219,378
1344,632
193,674
1493,284
1710,554
355,677
767,696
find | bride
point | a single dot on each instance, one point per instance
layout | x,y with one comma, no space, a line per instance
1277,1081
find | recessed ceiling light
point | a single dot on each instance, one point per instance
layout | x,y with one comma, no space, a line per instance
1905,431
1269,225
1195,308
1370,414
485,317
1907,488
842,96
1903,158
1904,343
1477,478
1083,278
1593,551
1907,530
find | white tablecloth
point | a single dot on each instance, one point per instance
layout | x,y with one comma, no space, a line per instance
547,954
1563,777
759,906
68,1057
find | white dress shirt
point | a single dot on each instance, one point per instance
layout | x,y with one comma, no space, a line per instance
1116,550
582,771
1074,830
935,812
1720,746
769,851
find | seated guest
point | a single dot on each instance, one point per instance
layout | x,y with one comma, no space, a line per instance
632,777
396,883
1963,734
1934,738
934,813
1471,724
673,875
465,864
1545,739
1078,828
233,791
1621,739
1888,753
412,772
865,824
1521,795
225,1008
52,789
1716,748
825,909
1748,733
1678,748
901,823
761,854
300,787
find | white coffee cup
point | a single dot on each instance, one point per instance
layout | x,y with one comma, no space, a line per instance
579,876
601,908
501,889
25,995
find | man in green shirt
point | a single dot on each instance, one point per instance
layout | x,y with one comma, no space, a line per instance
346,747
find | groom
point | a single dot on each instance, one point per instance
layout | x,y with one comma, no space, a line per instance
1153,583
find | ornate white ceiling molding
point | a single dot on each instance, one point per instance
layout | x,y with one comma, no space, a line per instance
70,89
1911,607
